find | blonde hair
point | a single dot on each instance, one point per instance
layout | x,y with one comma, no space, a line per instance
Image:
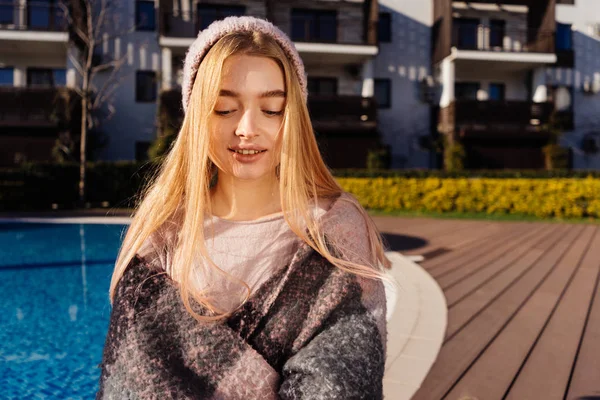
184,180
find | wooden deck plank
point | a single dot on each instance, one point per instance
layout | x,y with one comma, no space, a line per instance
477,274
487,250
461,350
465,308
558,343
474,249
491,374
472,271
585,378
460,237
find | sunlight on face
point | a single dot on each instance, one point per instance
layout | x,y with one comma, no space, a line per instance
246,122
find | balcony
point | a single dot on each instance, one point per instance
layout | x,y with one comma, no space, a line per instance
473,118
33,29
316,33
39,110
343,114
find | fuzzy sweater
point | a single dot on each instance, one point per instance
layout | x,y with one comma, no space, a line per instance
311,331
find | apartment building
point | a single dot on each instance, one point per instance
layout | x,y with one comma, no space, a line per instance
582,81
35,102
490,60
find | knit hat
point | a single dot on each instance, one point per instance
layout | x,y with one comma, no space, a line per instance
215,31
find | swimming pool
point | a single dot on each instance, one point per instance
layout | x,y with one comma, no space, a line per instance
54,281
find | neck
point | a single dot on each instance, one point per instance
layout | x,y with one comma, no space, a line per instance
244,200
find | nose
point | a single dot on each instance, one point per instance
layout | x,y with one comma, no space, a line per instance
247,126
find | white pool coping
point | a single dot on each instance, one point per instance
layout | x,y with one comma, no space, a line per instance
417,319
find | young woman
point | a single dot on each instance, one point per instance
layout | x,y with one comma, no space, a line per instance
246,272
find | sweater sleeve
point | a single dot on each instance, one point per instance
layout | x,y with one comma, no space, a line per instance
346,358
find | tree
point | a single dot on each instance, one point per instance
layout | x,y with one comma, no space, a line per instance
91,24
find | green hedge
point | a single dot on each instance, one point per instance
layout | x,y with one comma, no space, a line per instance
427,173
39,186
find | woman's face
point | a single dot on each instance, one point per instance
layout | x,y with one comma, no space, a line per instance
247,119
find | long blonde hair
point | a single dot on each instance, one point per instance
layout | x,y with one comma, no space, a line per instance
184,179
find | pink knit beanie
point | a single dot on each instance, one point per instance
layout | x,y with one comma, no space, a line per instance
215,31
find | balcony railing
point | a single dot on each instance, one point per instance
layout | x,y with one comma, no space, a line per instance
342,113
36,16
516,117
38,107
468,36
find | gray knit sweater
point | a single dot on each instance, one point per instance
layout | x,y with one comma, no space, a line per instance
311,331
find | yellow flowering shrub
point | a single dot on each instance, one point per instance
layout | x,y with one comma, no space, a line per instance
560,197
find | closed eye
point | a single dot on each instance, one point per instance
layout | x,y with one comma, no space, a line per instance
224,112
269,112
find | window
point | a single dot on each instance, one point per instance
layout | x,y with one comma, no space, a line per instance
141,150
384,27
497,91
145,17
383,93
7,13
465,33
208,13
314,25
145,86
46,15
6,76
466,90
322,86
564,37
497,33
46,77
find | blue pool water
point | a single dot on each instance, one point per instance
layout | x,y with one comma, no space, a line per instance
54,281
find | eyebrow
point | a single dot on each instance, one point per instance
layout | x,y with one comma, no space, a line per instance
270,93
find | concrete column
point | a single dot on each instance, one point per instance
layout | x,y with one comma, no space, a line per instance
167,68
539,88
20,76
368,86
448,77
71,77
21,13
186,13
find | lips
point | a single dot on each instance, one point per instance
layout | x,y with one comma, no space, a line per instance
250,150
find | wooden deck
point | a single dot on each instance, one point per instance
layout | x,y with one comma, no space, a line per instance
523,306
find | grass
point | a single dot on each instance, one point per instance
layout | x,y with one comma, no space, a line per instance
481,216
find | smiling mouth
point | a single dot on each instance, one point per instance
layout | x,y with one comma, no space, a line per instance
248,152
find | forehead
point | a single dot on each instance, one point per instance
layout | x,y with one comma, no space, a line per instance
247,72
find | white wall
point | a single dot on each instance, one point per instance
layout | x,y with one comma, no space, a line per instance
131,121
406,60
515,82
584,16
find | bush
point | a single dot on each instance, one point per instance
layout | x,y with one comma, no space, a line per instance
39,186
561,198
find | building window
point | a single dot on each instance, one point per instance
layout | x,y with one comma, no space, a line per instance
7,14
466,90
145,16
208,13
6,76
145,86
465,33
141,151
384,27
322,86
46,15
497,92
383,93
314,25
497,33
564,37
46,77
